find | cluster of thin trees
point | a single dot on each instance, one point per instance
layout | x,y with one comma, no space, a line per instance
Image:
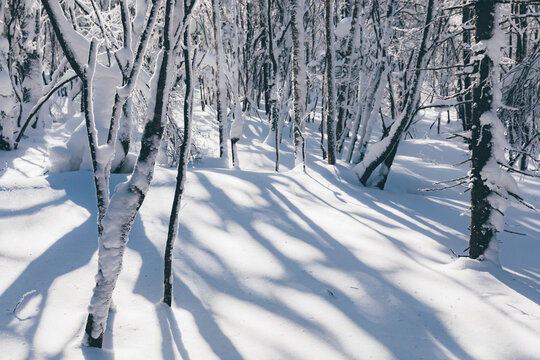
361,65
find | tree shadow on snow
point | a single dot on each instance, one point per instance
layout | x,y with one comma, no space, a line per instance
296,277
70,252
150,285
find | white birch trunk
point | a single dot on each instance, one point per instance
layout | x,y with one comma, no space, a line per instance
298,79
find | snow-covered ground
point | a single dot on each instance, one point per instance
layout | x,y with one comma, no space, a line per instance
287,265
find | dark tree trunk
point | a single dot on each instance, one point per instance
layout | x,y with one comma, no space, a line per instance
330,83
482,231
181,174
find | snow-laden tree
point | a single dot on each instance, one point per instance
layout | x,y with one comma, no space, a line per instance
116,214
21,67
490,185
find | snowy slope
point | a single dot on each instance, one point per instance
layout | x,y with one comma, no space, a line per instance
271,266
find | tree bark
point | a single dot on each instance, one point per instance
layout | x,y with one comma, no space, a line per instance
181,173
482,231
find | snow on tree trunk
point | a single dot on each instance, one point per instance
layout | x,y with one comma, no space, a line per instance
490,185
370,105
381,150
330,82
238,121
298,79
101,177
129,196
182,172
221,89
370,93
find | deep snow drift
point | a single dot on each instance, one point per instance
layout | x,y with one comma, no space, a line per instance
287,265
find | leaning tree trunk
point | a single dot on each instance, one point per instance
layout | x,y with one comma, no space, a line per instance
383,149
182,172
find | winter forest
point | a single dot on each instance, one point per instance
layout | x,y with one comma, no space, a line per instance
269,179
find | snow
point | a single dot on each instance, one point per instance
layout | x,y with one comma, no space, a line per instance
343,27
287,265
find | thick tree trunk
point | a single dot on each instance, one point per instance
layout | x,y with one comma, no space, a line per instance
482,230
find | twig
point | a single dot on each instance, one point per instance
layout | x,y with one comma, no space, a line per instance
514,232
462,162
449,181
458,135
516,170
444,188
521,200
456,255
22,299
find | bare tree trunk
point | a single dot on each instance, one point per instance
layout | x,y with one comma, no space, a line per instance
182,171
